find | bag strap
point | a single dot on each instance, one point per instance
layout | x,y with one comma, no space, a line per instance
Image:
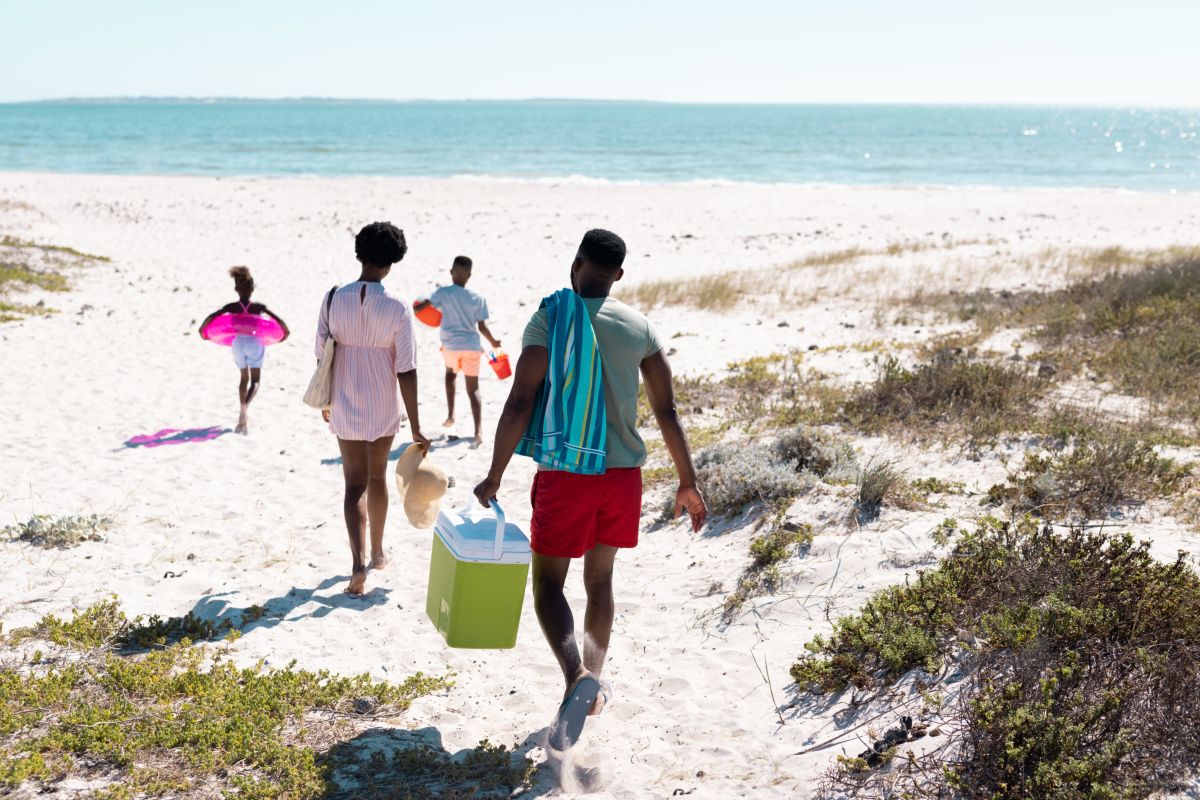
328,310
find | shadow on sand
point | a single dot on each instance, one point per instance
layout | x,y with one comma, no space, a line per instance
217,609
394,762
437,443
176,436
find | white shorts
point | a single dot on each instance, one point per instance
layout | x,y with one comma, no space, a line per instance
248,351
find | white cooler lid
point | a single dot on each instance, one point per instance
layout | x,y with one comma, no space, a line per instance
470,535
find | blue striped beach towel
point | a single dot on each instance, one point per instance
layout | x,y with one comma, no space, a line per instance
567,430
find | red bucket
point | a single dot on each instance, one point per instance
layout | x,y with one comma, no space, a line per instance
429,315
499,363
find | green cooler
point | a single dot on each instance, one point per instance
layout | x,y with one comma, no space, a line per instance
477,578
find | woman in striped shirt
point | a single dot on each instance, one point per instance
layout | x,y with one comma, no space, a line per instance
374,335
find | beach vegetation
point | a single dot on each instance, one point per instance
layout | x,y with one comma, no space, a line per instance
723,290
1081,656
879,483
1133,320
783,541
26,265
59,532
1103,471
810,450
187,720
733,476
951,393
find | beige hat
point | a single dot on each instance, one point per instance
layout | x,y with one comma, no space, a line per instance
421,486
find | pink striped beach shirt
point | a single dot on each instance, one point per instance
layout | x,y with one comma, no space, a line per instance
374,335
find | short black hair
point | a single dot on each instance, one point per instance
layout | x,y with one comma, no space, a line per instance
603,248
381,244
462,261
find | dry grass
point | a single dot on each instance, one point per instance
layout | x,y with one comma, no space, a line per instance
952,395
723,290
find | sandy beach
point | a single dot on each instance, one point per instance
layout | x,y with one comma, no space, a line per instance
220,525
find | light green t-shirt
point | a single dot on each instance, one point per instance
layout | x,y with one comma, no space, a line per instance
625,338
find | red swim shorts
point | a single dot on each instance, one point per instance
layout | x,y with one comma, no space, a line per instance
573,513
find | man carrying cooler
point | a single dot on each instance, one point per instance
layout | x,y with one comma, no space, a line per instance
573,408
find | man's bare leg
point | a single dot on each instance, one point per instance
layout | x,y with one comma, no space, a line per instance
377,498
356,473
554,614
449,398
476,407
598,618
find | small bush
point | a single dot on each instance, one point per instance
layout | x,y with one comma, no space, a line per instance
733,476
1085,676
807,450
1103,472
43,530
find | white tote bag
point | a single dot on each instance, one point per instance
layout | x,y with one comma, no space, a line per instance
320,387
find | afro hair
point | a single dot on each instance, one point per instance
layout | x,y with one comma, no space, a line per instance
381,244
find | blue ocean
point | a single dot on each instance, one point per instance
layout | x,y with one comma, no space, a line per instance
1143,149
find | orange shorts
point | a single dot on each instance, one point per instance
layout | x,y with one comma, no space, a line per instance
464,361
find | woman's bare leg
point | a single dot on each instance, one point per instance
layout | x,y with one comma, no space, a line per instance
377,498
356,472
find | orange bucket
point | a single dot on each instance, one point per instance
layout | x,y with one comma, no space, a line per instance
499,363
429,315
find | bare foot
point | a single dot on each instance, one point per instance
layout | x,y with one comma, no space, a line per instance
358,582
476,442
449,423
602,699
379,561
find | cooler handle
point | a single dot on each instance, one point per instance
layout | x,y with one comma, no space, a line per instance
498,546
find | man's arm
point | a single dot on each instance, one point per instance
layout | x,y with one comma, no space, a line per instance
483,328
656,373
408,392
527,382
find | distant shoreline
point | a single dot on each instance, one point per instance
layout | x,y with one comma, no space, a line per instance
581,141
317,99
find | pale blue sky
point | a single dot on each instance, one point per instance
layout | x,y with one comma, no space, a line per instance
938,51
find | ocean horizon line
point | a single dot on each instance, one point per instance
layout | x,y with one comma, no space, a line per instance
325,99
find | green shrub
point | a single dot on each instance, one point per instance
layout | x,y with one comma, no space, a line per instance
176,720
1085,676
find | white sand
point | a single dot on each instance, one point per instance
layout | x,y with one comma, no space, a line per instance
257,520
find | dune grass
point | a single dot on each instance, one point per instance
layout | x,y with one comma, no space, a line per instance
951,394
721,291
768,552
1133,320
185,720
1083,680
26,265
